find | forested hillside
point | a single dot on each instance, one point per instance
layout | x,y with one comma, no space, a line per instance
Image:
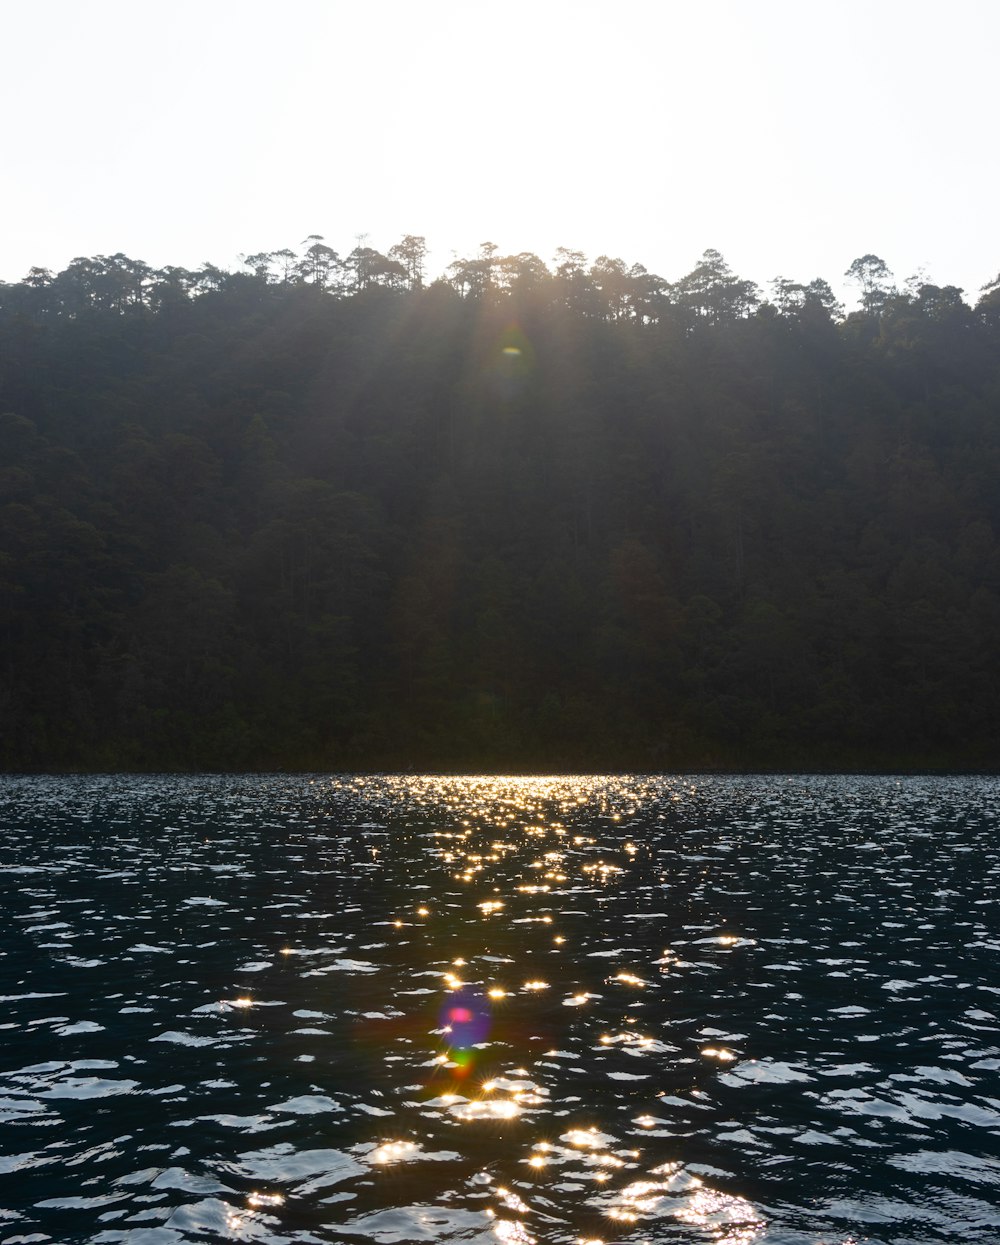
327,514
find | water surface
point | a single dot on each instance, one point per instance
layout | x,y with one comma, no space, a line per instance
705,1010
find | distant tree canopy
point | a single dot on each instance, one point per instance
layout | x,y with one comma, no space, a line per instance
328,512
605,289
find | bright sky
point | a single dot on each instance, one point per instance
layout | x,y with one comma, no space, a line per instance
791,135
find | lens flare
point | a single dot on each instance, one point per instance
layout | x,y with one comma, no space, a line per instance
466,1018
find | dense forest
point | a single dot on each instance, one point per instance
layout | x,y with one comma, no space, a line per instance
327,513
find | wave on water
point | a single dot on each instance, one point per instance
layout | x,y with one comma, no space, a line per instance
566,1010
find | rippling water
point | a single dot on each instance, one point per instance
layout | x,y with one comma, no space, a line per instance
728,1010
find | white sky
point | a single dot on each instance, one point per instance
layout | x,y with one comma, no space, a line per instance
791,135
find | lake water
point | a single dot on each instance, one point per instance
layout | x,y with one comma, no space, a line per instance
554,1010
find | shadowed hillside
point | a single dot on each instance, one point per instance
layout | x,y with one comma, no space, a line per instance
325,514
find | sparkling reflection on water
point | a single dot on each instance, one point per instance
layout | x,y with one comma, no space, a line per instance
408,1009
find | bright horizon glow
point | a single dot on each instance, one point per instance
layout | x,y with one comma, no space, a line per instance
792,138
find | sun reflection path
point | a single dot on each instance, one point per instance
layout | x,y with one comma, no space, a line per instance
515,889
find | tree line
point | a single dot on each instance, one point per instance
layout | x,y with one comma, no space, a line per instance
328,513
606,288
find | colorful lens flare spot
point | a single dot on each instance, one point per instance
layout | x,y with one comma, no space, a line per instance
466,1020
462,1061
